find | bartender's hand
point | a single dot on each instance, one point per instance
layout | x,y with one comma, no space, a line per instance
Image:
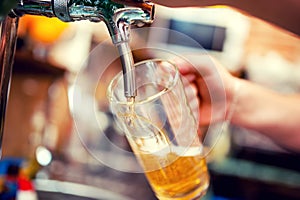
211,83
251,106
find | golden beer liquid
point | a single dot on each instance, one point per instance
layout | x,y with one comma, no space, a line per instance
172,175
183,178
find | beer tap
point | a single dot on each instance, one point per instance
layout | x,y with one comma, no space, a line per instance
111,13
118,16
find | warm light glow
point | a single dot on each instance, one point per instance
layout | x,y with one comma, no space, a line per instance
43,156
42,29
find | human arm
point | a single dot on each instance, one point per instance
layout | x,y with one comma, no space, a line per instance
272,114
284,14
253,106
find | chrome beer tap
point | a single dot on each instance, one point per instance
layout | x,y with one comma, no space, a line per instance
118,16
113,14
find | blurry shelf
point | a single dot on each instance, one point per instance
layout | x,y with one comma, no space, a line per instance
53,190
25,63
248,180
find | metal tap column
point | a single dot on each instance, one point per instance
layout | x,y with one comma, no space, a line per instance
8,38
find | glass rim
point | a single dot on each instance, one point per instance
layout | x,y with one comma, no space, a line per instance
110,95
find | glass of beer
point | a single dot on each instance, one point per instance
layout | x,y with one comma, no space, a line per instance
162,130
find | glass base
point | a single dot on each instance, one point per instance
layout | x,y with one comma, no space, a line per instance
195,194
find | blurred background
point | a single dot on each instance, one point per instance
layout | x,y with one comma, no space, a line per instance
41,142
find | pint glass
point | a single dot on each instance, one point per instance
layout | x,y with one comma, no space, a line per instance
162,130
